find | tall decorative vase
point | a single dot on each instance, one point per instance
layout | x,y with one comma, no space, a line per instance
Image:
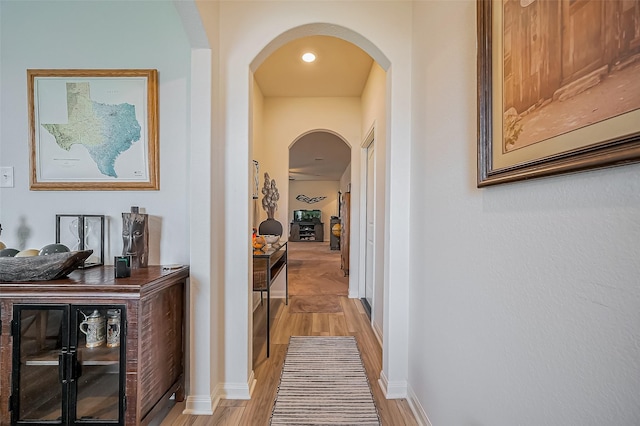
270,227
270,204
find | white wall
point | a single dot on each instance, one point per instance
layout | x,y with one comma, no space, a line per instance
345,179
315,188
524,299
69,34
286,120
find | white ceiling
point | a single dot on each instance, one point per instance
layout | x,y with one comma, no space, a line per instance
341,69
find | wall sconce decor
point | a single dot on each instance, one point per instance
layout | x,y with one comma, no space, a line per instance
82,232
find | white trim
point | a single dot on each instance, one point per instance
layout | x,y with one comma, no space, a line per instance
392,390
199,357
198,405
362,230
382,382
416,409
239,390
377,331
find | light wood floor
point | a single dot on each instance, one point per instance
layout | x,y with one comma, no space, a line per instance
316,281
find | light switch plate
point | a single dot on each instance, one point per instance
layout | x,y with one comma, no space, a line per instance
6,177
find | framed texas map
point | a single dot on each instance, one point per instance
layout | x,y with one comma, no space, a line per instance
93,129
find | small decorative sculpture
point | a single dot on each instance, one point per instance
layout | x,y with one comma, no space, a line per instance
135,237
270,205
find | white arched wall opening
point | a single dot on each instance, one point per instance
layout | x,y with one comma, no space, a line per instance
340,134
240,31
325,215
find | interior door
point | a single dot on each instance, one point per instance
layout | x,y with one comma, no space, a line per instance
370,221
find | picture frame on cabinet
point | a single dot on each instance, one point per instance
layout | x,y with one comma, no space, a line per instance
543,111
93,129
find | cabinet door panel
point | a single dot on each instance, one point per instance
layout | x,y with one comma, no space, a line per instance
40,341
96,332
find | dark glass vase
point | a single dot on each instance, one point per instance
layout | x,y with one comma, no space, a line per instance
270,227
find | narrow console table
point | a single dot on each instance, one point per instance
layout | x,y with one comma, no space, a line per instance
92,349
267,265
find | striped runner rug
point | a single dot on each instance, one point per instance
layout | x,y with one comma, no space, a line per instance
323,382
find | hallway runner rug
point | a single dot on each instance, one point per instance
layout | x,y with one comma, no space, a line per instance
323,382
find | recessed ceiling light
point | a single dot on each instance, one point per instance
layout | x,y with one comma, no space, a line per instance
308,57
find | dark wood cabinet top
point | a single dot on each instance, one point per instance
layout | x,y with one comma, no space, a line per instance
100,280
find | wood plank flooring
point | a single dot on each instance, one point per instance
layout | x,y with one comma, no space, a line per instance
314,270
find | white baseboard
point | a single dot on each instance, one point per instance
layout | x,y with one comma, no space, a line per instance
377,331
240,390
416,409
353,294
392,390
199,405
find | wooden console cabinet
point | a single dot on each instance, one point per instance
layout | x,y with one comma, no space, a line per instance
306,231
41,318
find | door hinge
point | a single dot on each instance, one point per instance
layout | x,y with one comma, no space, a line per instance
124,403
11,402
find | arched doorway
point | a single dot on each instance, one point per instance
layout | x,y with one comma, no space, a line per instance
279,114
221,361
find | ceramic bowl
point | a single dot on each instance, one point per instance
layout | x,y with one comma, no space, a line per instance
271,239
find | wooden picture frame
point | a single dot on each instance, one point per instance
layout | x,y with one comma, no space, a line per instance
93,129
524,72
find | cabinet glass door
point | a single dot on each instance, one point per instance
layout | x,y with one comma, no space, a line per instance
39,345
99,388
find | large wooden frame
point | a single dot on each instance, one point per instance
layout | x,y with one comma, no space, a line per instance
610,142
93,129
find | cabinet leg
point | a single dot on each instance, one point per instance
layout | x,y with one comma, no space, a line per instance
180,394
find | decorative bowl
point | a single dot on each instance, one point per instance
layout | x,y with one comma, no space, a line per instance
41,268
271,239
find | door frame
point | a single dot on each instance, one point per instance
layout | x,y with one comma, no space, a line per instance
362,258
